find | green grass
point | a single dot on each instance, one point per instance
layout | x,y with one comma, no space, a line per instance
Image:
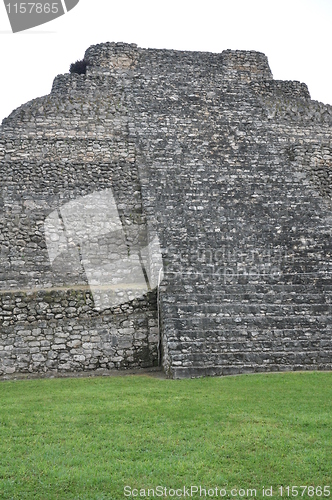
85,439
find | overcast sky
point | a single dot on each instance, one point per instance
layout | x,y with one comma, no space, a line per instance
294,34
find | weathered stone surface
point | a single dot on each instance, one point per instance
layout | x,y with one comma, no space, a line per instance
231,168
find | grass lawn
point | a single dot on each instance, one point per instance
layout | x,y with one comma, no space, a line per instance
86,439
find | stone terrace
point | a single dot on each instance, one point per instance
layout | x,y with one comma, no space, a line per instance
229,167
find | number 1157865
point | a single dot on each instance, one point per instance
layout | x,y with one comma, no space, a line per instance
33,8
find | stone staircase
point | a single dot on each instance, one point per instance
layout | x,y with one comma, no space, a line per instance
246,232
214,328
230,168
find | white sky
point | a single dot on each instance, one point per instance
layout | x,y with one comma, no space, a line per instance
294,34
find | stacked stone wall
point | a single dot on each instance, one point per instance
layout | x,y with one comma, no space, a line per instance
230,168
59,331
